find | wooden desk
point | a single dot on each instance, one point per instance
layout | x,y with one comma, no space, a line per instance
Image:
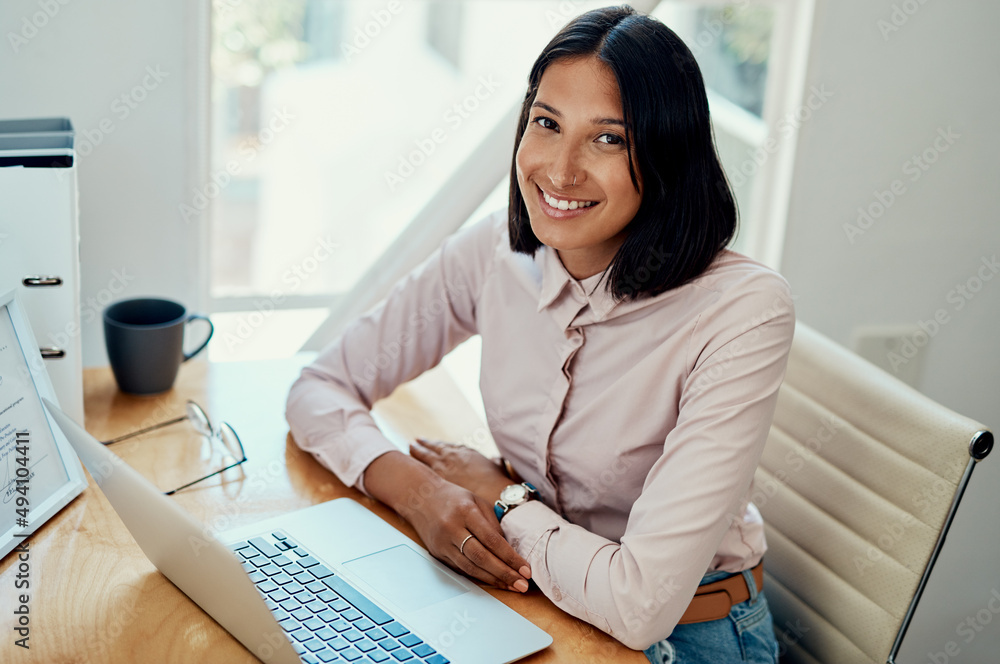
96,598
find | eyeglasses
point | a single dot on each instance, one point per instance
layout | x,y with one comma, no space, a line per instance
224,434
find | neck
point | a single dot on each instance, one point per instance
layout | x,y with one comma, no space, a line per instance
581,269
588,261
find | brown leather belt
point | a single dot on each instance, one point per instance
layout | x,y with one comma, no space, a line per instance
713,601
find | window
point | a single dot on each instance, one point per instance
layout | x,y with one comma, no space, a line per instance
732,46
342,119
334,122
752,54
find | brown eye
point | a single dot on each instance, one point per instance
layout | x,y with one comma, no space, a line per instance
546,123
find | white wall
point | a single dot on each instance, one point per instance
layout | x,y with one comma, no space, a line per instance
890,97
79,63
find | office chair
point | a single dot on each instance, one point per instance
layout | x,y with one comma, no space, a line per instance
858,485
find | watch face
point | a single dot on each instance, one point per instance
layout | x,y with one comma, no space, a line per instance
515,494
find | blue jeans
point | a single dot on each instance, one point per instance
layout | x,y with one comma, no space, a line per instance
745,635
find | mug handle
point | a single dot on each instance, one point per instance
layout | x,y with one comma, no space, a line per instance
211,331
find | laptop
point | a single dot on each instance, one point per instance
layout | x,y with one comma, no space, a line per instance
329,583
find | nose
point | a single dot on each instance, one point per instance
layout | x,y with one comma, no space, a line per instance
567,168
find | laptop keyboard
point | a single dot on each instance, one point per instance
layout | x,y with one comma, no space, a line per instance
327,618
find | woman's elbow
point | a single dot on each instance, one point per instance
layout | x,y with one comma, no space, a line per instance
307,383
295,392
300,403
642,636
648,620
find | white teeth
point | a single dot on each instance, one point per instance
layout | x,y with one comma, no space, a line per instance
566,205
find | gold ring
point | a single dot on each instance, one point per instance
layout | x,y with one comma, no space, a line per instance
461,549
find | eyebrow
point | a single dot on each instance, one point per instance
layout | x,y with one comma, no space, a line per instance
598,121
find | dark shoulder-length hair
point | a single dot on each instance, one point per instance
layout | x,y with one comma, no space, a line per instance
688,212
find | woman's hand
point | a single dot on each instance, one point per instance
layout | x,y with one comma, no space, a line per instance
449,516
463,466
457,526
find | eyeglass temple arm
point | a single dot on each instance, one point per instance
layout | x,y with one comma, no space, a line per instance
146,430
221,470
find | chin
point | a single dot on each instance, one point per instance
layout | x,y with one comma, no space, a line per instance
561,239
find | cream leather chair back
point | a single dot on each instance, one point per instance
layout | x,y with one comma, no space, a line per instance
857,485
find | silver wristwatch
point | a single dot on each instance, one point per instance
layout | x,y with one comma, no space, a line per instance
512,496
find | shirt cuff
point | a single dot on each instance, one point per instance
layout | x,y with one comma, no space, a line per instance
369,443
525,525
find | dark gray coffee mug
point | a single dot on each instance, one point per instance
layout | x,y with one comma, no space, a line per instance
145,342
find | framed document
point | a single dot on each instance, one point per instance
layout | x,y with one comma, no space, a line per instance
39,471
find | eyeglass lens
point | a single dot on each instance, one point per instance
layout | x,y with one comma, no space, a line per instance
230,441
199,419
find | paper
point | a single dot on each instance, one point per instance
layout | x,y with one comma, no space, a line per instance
21,410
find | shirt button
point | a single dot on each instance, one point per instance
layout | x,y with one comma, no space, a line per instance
556,595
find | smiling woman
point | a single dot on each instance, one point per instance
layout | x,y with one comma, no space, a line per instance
636,109
635,360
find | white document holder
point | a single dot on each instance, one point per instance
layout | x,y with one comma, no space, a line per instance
40,244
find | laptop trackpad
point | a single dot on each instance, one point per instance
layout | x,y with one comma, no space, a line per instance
405,578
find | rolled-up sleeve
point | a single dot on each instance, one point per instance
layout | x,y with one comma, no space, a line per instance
427,314
637,589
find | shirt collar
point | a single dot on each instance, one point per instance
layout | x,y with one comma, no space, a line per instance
555,279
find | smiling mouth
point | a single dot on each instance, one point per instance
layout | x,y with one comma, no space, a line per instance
564,204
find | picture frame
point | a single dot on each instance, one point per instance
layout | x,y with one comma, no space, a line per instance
55,475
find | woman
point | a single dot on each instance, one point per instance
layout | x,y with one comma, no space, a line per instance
630,362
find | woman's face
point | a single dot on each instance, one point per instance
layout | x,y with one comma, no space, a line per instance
576,131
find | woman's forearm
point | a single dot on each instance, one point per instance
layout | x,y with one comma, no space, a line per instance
401,482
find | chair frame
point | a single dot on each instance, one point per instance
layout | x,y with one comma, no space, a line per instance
979,448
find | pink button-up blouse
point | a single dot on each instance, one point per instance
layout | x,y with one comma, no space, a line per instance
640,422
